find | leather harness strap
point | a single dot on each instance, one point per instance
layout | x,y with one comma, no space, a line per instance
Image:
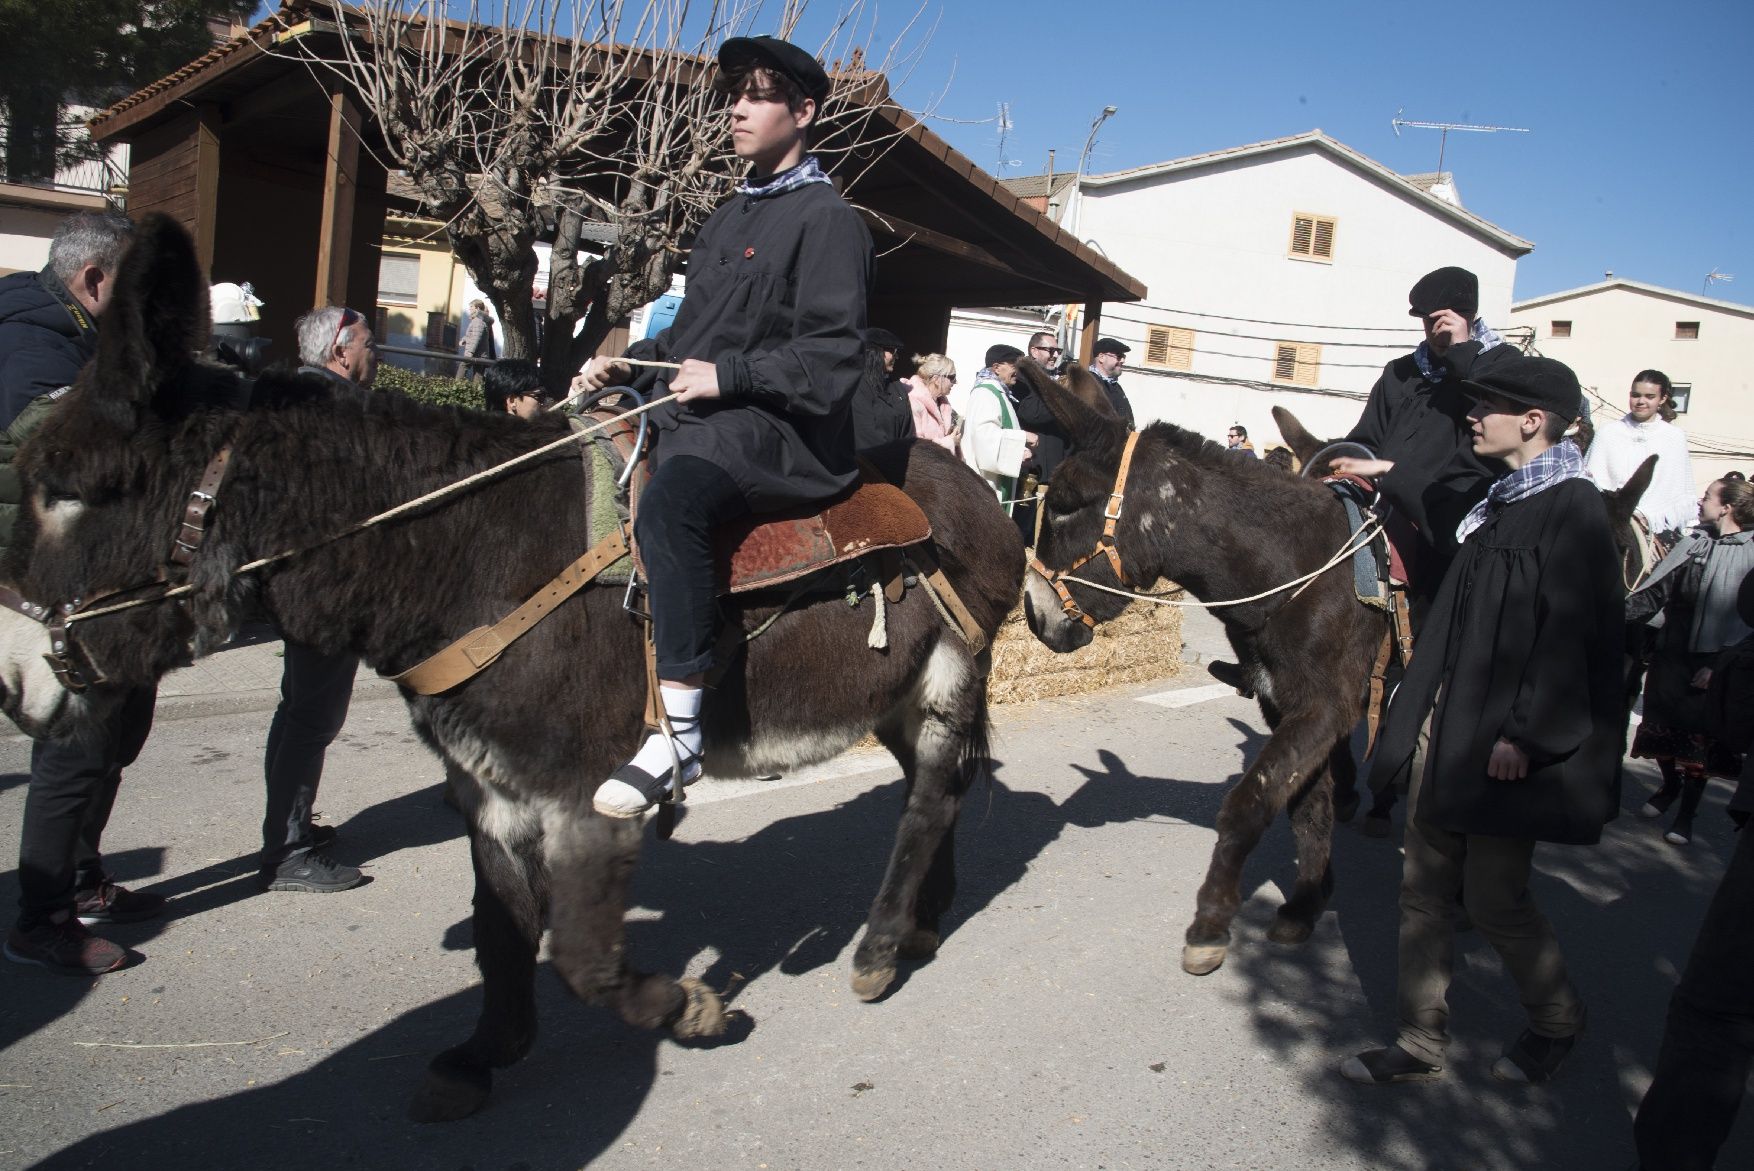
925,558
201,501
475,651
1111,519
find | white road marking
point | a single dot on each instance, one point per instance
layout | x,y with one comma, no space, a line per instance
1188,696
855,762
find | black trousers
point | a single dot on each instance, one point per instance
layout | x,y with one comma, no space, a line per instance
315,690
687,499
73,787
1708,1047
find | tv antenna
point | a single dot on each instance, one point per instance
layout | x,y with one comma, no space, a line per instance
1005,127
1714,277
1445,127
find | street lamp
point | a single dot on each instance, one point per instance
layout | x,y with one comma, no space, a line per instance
1078,178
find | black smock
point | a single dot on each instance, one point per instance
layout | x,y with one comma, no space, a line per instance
1523,642
776,299
882,414
1422,426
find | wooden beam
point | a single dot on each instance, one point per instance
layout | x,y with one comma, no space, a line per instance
340,181
206,185
1091,331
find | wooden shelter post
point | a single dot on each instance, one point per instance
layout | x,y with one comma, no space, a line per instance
340,183
206,143
1091,331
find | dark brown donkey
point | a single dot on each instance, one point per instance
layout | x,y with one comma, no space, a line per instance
107,477
1223,526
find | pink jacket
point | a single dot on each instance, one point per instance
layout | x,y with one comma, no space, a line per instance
932,415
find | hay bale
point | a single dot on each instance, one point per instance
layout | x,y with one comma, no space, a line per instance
1144,643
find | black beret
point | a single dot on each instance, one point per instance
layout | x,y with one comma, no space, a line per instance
783,57
1002,353
878,338
1446,288
1109,345
1535,382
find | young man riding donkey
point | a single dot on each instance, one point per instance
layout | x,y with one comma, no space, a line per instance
769,341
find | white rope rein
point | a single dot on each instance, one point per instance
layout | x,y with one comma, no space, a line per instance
418,502
1358,540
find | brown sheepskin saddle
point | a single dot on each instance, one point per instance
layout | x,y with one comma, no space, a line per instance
769,550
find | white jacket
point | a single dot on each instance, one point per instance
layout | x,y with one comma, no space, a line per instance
992,443
1671,501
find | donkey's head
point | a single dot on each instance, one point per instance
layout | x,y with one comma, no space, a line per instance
1075,531
104,481
1639,549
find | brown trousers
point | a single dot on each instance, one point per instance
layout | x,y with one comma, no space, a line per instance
1490,878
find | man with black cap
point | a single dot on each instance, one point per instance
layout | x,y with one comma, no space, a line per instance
881,410
995,442
770,353
1512,721
1105,363
1416,421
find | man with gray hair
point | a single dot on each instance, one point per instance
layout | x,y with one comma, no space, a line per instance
48,331
315,688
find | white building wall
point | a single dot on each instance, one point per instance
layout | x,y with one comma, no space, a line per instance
1618,331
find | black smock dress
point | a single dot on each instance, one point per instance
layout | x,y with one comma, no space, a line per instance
777,287
1523,643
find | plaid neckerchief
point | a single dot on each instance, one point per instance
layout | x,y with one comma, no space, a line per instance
805,173
1478,331
1563,461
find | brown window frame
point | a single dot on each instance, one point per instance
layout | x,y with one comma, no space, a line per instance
1687,331
1559,329
1169,347
1301,363
1311,236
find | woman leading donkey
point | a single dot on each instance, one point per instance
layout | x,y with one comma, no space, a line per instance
769,344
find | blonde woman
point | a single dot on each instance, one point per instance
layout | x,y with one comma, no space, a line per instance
928,392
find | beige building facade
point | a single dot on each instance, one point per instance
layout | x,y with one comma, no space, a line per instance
1611,330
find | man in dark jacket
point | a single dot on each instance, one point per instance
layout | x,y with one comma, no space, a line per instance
1106,360
316,688
1515,695
1051,442
48,330
1416,421
768,340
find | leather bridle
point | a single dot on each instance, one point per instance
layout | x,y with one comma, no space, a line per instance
74,668
1105,544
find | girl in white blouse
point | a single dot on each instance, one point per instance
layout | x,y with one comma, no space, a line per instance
1647,428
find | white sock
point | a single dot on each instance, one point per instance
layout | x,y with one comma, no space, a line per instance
682,705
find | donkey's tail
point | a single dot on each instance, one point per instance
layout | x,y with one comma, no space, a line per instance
976,763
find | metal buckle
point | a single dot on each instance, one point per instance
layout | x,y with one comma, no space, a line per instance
1113,511
627,602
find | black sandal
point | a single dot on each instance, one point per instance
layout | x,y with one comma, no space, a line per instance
1533,1059
1387,1067
631,790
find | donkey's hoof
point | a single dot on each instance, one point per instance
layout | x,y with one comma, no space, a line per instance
1202,959
702,1016
919,944
1290,932
871,983
453,1089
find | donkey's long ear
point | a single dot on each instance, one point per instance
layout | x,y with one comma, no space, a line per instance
157,317
1082,410
1303,445
1623,501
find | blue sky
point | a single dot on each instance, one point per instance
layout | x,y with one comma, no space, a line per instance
1640,160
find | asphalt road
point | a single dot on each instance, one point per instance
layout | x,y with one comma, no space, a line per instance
1055,1028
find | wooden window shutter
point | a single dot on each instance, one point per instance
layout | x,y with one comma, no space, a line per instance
1302,232
1285,362
1561,329
1309,364
1687,331
1312,236
1169,347
399,278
